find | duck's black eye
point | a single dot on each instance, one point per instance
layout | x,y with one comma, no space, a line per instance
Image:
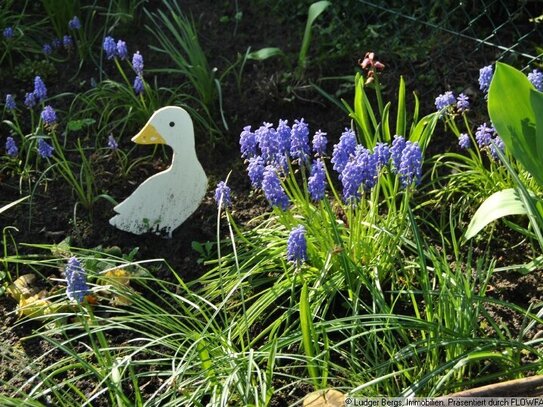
172,124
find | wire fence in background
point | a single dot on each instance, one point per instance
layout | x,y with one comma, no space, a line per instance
506,30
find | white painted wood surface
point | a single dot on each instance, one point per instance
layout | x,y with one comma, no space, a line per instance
164,201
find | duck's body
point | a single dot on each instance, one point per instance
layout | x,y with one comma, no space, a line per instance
165,200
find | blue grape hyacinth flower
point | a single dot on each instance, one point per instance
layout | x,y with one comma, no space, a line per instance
10,102
76,280
536,78
74,23
112,143
483,135
297,246
47,49
247,143
319,143
110,47
137,63
485,77
40,91
273,190
48,115
343,150
256,171
462,102
11,147
44,149
67,42
267,141
223,195
316,183
497,144
122,49
8,33
138,85
464,141
381,151
283,137
410,169
398,145
299,140
30,100
445,100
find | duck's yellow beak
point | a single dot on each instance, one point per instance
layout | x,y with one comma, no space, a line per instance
148,135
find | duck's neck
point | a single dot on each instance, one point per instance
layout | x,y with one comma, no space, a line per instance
182,157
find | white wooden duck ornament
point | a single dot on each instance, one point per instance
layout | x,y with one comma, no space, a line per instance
164,201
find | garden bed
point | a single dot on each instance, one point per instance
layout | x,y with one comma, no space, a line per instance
386,287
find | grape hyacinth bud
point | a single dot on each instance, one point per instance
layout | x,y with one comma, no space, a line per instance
319,143
47,49
110,47
76,280
462,102
283,137
122,50
247,142
483,135
410,169
464,141
10,102
30,100
273,190
8,33
536,78
56,43
138,85
485,77
497,143
48,115
112,143
67,42
382,154
11,147
222,195
40,91
299,140
398,145
137,63
343,150
297,246
255,168
445,100
316,184
44,149
74,23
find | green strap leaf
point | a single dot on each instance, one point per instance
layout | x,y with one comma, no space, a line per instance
500,204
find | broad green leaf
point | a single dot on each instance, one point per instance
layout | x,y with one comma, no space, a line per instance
500,204
265,53
510,109
315,10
